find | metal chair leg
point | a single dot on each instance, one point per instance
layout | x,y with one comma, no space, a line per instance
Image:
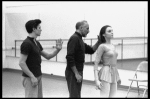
138,89
137,86
129,89
144,92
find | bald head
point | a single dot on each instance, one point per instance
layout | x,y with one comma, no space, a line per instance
80,23
82,27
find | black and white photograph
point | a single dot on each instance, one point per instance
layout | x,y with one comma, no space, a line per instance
74,49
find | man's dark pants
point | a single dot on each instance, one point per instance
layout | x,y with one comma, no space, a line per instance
73,86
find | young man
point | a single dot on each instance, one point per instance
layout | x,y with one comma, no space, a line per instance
76,50
30,59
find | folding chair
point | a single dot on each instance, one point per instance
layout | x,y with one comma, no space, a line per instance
142,67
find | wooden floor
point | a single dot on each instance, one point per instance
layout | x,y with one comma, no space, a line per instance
53,86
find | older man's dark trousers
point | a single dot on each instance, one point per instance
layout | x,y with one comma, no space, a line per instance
73,86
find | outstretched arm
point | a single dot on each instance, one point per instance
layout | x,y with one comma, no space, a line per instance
92,49
55,52
96,44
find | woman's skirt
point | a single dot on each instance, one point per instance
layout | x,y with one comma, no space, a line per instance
109,74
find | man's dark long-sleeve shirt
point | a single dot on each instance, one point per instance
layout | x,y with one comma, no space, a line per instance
76,50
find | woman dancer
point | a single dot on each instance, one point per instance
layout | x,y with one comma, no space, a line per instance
107,77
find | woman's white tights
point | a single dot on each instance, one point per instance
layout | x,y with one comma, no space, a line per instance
108,89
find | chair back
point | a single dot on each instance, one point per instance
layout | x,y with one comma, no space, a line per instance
143,66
